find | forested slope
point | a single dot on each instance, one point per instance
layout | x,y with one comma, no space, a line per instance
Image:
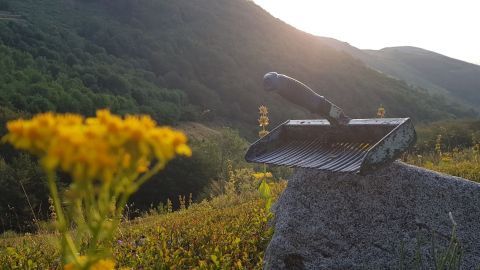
129,55
458,78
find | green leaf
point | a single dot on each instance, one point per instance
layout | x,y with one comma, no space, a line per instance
215,260
264,190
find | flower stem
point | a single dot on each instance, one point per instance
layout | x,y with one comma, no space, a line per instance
62,224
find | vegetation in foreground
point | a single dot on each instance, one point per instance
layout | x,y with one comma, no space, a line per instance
463,163
122,153
108,158
230,231
24,199
451,147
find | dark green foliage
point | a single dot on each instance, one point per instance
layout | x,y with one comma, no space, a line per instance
185,176
15,211
19,172
4,5
53,71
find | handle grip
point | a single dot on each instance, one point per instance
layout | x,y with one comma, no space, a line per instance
300,94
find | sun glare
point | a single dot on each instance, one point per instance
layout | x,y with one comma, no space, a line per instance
447,27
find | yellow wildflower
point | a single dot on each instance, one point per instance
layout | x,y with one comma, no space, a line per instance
103,265
263,110
142,166
260,176
69,266
262,133
96,147
381,112
100,265
438,144
72,266
446,158
117,153
263,121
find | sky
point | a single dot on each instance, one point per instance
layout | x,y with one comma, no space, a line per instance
449,27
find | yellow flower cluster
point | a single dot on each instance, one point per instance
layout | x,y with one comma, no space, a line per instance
260,176
100,265
263,121
96,147
262,133
381,112
438,144
263,110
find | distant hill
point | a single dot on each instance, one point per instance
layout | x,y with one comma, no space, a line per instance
421,68
183,61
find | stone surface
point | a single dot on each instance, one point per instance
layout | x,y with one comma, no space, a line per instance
342,221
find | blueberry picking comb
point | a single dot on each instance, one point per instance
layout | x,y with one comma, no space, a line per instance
336,143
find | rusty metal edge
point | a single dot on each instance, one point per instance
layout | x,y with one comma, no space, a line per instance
390,147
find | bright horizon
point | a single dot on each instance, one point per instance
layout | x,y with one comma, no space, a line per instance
451,28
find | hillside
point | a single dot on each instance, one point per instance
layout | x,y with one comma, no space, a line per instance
421,68
182,60
460,79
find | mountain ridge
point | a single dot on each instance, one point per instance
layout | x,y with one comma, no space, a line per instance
437,73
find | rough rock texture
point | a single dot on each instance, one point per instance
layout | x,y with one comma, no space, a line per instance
341,221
